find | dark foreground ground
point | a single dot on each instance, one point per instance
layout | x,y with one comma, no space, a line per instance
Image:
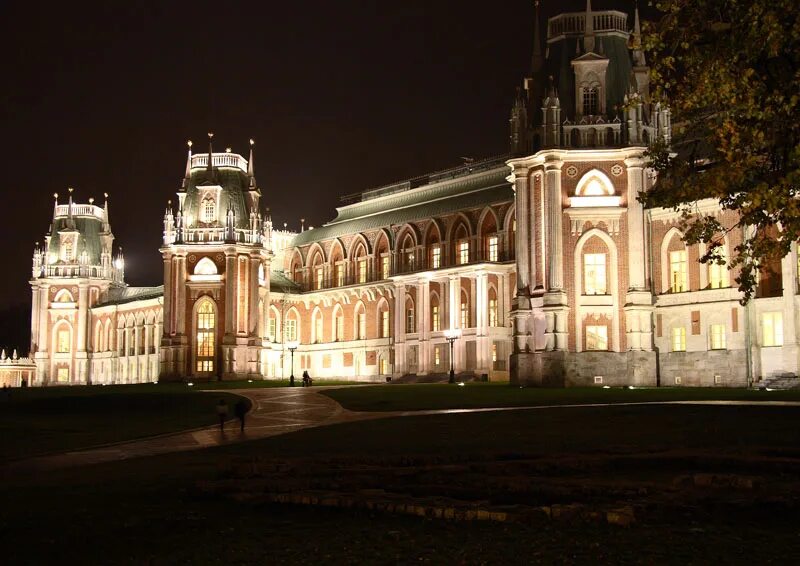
160,510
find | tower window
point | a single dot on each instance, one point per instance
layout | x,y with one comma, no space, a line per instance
492,248
206,326
590,98
209,210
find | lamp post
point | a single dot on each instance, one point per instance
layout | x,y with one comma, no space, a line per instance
452,335
292,346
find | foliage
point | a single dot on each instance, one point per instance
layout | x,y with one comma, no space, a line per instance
730,71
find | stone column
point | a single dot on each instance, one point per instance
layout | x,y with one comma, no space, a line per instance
180,306
168,328
252,323
399,329
35,295
454,307
423,325
83,309
555,232
521,235
635,217
230,291
483,345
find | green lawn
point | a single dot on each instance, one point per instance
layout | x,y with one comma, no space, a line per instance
418,397
258,383
41,420
147,510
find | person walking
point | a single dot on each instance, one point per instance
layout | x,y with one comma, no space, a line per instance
222,413
240,409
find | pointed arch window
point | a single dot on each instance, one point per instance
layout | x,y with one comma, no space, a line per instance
338,325
63,340
590,101
208,210
206,330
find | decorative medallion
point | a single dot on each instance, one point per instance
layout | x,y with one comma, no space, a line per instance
192,258
74,291
572,171
616,170
220,258
53,290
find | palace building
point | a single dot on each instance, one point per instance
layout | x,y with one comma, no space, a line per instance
541,266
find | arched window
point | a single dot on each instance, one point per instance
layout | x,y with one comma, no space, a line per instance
411,321
205,267
206,331
338,324
208,210
464,310
317,326
435,313
98,337
68,250
290,330
493,310
64,296
63,338
272,327
383,310
360,322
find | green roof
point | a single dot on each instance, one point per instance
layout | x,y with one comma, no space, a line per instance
234,182
122,295
90,230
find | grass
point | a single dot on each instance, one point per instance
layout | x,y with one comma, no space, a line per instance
42,420
418,397
146,510
260,383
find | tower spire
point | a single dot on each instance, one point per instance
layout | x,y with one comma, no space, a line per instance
538,60
210,167
188,163
636,45
70,219
251,165
588,29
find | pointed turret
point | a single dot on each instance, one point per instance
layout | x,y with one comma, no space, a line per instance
537,61
210,164
70,218
518,125
188,172
636,39
588,29
551,113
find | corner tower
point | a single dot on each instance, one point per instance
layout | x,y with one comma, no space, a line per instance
215,252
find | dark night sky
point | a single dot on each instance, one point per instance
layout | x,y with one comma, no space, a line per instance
340,96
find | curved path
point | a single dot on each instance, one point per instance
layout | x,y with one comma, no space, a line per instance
278,411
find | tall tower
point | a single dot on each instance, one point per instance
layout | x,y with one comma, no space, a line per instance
215,261
72,272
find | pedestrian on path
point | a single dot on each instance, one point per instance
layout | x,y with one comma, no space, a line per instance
222,413
240,409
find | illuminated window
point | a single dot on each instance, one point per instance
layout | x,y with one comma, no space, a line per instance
208,210
63,340
384,366
718,275
772,323
590,101
463,252
385,267
679,339
678,274
411,323
594,274
494,352
290,330
62,375
319,278
362,271
339,272
436,257
492,312
361,325
318,328
437,356
435,318
464,314
597,337
717,336
410,260
273,329
68,251
338,327
492,248
206,326
385,324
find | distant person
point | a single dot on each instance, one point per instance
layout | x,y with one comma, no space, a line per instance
222,413
307,381
240,409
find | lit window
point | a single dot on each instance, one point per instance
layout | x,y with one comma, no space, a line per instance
206,326
494,352
384,366
209,210
772,329
436,257
338,329
385,324
319,278
464,314
679,339
590,101
717,336
339,271
594,274
62,375
68,251
318,328
463,252
63,340
678,274
290,331
361,321
492,248
435,318
437,356
718,275
273,329
411,323
492,312
362,271
597,337
410,260
385,267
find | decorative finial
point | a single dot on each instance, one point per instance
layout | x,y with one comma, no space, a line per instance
70,189
252,141
105,195
189,143
91,200
55,196
228,150
210,135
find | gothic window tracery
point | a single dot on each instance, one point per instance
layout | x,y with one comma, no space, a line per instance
208,210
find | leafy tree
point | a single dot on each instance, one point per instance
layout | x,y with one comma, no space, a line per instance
730,71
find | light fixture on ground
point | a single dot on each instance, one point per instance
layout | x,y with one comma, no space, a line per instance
452,335
292,346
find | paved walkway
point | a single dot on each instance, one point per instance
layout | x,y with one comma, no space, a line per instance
279,411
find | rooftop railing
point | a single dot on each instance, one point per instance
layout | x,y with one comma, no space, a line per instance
62,210
220,160
575,23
